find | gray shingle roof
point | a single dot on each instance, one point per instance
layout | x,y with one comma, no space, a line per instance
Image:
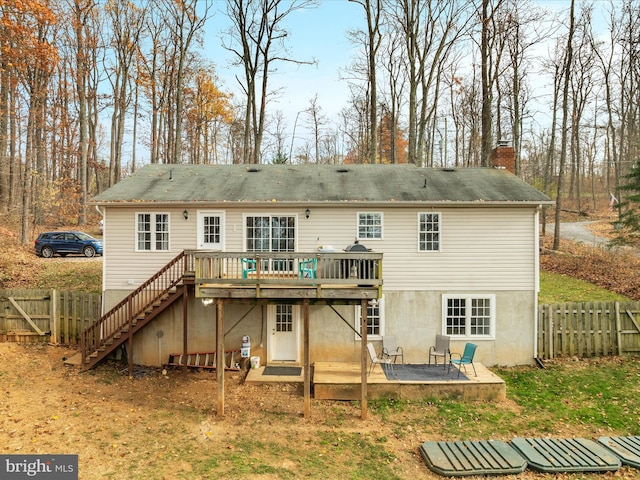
294,184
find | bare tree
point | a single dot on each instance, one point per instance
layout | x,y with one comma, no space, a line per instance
396,80
184,22
83,16
628,73
431,30
490,62
257,40
605,61
373,10
316,122
126,23
526,30
565,122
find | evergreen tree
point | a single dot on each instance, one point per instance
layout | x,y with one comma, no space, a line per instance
630,207
279,159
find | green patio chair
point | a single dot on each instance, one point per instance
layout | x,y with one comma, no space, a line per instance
308,268
249,265
465,359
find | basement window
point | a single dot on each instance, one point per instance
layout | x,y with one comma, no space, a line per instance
469,316
375,320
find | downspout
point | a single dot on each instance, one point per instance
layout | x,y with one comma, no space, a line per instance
104,263
536,222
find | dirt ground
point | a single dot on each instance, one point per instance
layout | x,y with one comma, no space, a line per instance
123,427
164,426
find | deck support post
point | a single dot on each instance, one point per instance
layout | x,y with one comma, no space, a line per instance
220,353
307,365
130,337
363,358
185,346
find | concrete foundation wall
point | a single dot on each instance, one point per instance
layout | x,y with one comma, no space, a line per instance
413,317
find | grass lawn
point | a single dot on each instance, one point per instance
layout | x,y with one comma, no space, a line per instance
558,288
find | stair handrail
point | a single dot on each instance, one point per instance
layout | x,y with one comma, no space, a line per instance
134,305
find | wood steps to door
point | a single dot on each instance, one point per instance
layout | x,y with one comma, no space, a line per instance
154,295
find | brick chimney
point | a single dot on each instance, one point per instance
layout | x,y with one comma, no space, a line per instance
503,156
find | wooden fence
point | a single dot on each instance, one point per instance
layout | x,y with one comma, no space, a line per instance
46,315
566,329
591,329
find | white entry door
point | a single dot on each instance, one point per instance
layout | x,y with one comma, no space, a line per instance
210,230
284,340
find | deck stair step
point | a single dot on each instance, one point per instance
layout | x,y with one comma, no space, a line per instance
207,360
153,297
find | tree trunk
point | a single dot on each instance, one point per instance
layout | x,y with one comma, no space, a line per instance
565,121
487,118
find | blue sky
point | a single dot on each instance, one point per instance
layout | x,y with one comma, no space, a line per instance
320,34
314,34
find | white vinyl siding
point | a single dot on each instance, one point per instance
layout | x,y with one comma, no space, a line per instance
482,249
126,267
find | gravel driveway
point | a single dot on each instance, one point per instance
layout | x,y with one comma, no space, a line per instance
578,232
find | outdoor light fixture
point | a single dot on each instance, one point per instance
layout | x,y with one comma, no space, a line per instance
185,214
207,301
307,213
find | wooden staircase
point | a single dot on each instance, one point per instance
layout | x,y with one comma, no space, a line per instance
135,311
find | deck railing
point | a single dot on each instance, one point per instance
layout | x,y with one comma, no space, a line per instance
111,326
287,268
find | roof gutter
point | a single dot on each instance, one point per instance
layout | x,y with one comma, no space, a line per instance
341,204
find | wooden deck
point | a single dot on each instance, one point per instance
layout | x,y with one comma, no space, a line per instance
341,381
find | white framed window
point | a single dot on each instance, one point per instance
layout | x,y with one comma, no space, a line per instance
271,233
469,315
152,232
211,230
369,225
375,319
429,227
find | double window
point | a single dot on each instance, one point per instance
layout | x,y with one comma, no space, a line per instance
152,232
270,233
469,316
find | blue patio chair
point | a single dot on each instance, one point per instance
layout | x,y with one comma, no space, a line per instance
465,359
308,268
249,265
